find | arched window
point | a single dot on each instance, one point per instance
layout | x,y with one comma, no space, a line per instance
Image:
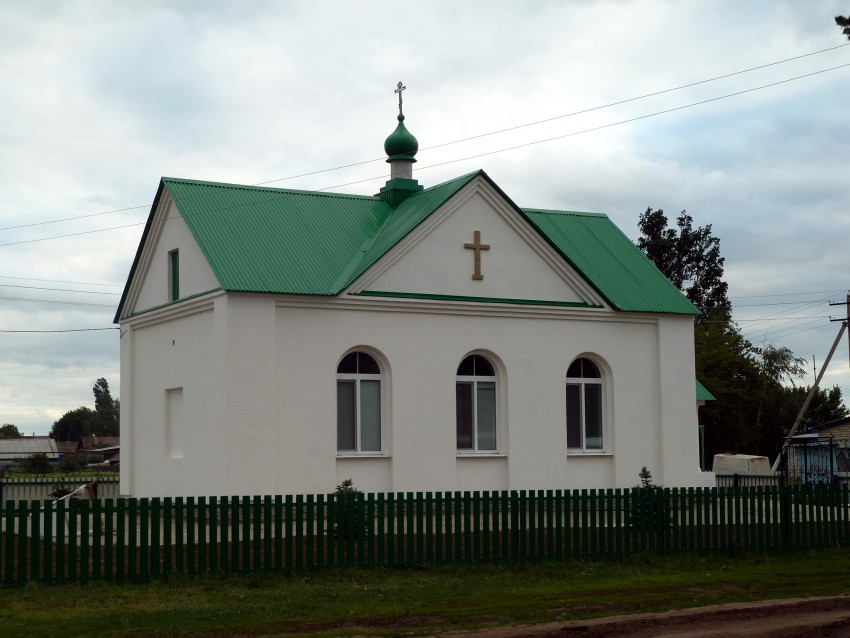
476,405
358,404
584,406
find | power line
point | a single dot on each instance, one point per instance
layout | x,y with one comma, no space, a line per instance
783,316
60,281
778,331
56,301
631,99
473,137
775,303
67,219
574,113
790,334
454,161
790,294
777,319
85,232
85,292
60,331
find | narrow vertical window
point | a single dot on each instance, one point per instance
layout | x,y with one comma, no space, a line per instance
475,406
358,404
174,275
584,406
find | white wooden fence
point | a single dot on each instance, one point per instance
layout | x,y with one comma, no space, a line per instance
39,489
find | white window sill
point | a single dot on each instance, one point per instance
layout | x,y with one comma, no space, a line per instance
579,453
362,455
480,455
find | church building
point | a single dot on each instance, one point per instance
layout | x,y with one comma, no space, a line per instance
426,338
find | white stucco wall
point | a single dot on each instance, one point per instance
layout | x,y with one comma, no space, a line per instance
517,264
254,376
168,352
261,412
171,233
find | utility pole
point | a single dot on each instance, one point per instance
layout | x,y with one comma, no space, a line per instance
846,318
845,321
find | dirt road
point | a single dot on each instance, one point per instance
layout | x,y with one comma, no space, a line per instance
800,618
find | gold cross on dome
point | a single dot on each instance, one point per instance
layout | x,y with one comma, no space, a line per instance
399,88
477,246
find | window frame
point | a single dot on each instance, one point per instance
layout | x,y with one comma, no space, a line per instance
357,378
474,380
582,383
174,275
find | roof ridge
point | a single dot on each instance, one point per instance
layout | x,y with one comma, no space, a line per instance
454,179
346,279
549,211
251,187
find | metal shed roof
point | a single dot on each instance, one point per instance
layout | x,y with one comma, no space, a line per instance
27,446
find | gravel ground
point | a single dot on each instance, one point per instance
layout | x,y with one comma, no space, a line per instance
827,617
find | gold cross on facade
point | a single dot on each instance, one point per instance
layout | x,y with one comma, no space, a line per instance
399,88
477,246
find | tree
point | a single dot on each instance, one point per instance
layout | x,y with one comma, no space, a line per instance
842,21
780,364
689,257
827,405
757,400
9,431
102,421
106,409
777,365
728,365
75,424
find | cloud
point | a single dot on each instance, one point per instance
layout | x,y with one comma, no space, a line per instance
102,99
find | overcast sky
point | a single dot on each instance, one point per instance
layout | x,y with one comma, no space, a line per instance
101,99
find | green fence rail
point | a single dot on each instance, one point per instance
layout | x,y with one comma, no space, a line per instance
138,540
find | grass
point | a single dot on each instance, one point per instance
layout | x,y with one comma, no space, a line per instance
414,601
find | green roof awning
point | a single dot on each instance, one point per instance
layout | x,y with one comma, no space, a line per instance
703,394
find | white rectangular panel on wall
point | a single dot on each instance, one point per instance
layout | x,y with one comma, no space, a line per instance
174,423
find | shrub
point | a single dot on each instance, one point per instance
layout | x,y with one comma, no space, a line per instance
37,463
61,489
71,464
649,509
346,494
346,487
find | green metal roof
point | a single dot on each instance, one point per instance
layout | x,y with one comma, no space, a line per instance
610,262
276,240
703,394
272,240
409,214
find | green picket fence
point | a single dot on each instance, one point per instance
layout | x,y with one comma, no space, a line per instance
137,540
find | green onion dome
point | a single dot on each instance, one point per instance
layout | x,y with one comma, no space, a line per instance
401,144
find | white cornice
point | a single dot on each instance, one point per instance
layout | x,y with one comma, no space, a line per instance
160,216
468,308
172,311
